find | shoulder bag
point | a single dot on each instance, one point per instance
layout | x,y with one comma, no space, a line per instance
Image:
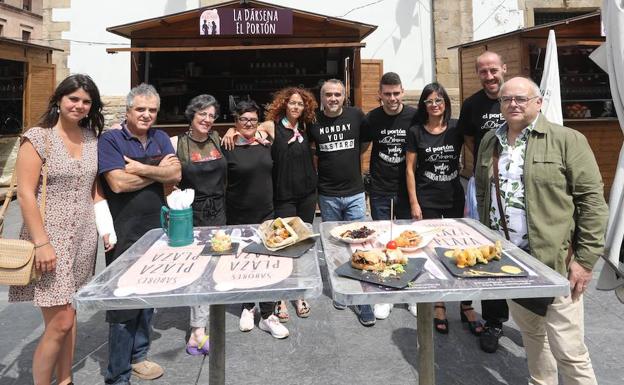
17,256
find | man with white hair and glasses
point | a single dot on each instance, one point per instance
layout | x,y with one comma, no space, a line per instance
538,184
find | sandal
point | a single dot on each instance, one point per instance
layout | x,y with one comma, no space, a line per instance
302,308
475,327
441,325
202,349
281,311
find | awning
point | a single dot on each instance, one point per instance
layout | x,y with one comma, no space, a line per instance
235,48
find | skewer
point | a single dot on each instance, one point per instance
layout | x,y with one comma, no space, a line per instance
391,216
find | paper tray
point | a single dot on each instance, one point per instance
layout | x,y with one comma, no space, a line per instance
293,251
413,269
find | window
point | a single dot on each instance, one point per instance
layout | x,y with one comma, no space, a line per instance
27,5
25,35
549,16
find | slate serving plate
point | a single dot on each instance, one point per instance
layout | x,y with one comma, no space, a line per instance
491,270
413,269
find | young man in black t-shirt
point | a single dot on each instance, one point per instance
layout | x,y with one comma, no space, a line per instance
336,138
479,114
388,126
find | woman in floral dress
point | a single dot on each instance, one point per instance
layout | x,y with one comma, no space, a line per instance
66,238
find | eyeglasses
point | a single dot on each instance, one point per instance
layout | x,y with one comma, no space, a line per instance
436,101
296,104
244,120
205,115
520,100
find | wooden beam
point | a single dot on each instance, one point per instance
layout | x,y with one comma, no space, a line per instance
234,47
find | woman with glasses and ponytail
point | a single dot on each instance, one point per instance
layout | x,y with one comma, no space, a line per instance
432,172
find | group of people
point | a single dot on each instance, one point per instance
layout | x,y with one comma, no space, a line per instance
537,184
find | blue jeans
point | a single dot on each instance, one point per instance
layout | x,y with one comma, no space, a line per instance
380,206
128,343
351,208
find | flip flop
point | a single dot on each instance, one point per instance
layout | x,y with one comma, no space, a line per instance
303,309
281,312
200,350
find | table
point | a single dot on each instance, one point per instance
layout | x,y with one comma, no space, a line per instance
99,294
437,284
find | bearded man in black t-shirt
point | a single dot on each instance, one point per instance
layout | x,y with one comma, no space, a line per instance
479,114
336,138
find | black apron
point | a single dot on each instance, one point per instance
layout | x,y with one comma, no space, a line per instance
134,213
208,179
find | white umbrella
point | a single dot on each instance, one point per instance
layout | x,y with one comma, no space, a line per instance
550,86
610,56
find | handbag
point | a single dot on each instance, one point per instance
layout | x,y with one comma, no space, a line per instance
17,256
537,306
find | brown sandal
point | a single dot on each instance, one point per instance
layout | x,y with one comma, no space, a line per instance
302,308
281,311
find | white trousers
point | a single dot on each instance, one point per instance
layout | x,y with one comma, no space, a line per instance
555,341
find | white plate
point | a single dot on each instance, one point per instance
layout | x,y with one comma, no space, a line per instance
427,236
336,231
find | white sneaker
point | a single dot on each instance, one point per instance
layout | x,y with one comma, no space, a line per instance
382,310
246,322
413,309
273,326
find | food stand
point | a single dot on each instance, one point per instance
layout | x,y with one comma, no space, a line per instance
238,50
587,105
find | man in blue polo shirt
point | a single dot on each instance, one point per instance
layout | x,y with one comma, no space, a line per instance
134,163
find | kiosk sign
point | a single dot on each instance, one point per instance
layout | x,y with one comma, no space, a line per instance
245,21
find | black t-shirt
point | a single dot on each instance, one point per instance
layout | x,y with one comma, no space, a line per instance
249,195
478,115
437,165
389,136
294,176
337,142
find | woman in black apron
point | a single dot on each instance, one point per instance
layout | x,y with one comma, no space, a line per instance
204,170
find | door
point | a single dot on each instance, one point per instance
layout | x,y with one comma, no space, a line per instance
40,81
372,71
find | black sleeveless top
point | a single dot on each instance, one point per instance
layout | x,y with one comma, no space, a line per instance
249,197
294,176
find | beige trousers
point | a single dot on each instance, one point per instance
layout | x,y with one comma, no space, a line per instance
555,341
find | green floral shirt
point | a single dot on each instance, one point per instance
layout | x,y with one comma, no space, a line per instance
510,175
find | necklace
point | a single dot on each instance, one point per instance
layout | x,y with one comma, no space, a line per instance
190,135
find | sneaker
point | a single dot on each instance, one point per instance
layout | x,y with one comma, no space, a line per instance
488,340
246,322
382,310
147,370
413,309
365,314
273,326
339,306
